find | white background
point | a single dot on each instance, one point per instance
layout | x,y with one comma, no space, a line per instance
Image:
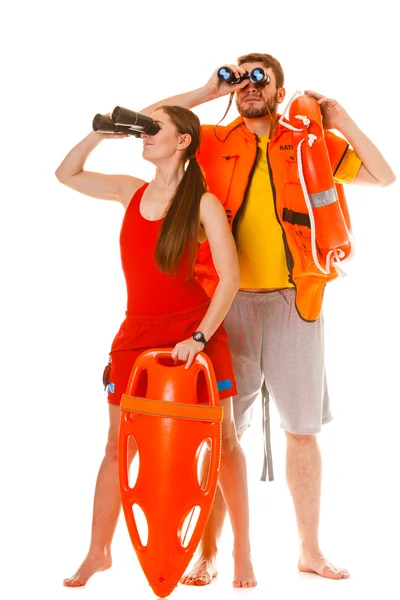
63,294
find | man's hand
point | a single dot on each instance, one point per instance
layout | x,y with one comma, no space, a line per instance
334,115
217,87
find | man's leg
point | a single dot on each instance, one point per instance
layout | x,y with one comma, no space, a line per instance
245,346
293,364
106,507
303,472
205,567
233,484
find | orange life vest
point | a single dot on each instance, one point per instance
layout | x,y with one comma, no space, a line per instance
229,162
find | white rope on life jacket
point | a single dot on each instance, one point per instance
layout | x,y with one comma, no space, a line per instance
334,256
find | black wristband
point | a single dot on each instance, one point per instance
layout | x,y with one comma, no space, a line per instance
198,336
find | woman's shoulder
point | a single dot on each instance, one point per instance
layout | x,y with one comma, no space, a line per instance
209,201
211,210
209,198
130,186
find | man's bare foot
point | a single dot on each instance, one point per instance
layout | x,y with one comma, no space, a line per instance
90,566
317,563
244,575
203,572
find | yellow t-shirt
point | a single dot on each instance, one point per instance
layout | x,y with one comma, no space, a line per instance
260,246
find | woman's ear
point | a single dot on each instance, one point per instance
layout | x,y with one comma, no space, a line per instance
184,141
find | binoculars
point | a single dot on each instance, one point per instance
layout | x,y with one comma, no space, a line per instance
125,121
257,76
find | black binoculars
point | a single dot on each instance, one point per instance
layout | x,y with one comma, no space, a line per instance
125,121
257,76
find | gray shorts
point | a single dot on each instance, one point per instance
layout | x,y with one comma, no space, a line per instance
275,352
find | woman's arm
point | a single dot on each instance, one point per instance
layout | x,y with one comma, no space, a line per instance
224,254
223,249
98,185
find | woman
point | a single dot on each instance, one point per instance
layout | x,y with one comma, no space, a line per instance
164,223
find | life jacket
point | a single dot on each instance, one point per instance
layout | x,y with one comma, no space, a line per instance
228,156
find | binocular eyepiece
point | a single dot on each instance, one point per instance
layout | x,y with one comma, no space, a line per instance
257,76
125,121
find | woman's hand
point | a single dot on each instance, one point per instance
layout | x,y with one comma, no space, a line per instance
104,135
186,351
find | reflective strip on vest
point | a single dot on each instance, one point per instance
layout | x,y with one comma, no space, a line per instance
323,198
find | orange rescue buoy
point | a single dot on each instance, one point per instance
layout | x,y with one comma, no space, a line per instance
175,418
330,227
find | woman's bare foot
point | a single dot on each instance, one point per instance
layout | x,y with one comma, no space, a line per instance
90,566
244,574
316,562
203,572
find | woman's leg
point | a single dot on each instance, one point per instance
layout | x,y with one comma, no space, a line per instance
106,507
233,484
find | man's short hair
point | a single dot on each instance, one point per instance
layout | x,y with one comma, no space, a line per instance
268,61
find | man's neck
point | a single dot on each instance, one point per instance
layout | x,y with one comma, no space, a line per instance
261,126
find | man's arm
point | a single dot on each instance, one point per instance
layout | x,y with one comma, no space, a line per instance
374,169
214,88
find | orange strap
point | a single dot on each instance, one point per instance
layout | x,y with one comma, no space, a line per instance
196,412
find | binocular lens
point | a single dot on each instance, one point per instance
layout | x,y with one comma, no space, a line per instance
224,73
257,76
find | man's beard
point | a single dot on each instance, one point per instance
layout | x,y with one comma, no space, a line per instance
256,112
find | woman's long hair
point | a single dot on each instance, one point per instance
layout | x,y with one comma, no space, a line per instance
180,228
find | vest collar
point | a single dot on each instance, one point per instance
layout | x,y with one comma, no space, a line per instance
239,126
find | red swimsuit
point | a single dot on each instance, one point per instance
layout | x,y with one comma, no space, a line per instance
150,291
161,309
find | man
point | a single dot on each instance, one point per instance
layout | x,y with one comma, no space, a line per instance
275,325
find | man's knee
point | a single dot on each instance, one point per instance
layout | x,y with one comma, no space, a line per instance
230,443
240,433
301,439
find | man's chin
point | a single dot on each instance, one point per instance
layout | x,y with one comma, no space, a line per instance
253,113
